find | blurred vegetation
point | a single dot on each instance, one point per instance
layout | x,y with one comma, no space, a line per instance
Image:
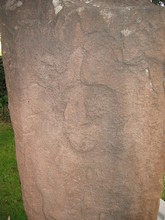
163,191
10,189
4,111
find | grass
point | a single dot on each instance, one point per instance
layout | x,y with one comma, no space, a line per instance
10,191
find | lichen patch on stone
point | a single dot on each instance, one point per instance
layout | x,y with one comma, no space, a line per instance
19,4
138,20
12,5
57,6
106,14
126,32
80,10
147,71
88,1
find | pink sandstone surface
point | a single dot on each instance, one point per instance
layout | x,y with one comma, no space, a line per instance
86,95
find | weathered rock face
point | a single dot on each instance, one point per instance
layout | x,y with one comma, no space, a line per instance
86,95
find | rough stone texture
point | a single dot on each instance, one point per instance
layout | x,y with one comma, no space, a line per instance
86,95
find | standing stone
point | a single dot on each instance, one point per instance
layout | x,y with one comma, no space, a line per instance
85,80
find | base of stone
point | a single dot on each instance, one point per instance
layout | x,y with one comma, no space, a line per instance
161,213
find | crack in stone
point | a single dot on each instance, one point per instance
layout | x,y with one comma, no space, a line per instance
148,73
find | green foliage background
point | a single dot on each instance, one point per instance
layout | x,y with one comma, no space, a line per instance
4,112
10,189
